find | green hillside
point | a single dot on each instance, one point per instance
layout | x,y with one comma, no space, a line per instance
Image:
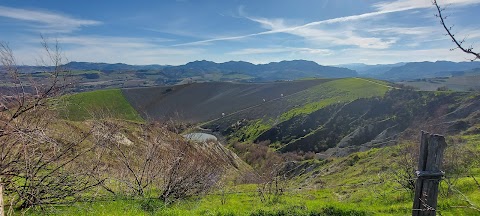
263,117
102,103
336,91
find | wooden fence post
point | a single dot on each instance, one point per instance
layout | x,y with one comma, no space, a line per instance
428,174
2,209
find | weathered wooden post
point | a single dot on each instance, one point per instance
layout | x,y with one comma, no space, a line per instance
428,174
2,212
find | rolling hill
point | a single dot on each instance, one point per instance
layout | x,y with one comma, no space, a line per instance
333,116
198,102
352,124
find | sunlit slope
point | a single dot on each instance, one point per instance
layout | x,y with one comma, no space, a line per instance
109,103
260,119
342,128
343,116
336,91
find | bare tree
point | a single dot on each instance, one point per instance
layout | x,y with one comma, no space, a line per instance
37,151
138,165
274,185
448,29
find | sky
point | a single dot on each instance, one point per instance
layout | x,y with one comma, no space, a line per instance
174,32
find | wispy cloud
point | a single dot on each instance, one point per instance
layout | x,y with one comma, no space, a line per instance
340,35
402,5
406,30
46,21
121,42
277,25
113,50
303,50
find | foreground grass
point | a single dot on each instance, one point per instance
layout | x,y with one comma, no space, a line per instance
360,184
87,105
307,202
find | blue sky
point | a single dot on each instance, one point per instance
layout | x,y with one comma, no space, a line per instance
175,32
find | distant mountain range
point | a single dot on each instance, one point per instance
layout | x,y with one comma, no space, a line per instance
248,72
296,69
105,67
284,70
371,70
413,70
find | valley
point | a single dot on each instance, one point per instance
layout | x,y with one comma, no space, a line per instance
345,143
301,115
240,108
325,142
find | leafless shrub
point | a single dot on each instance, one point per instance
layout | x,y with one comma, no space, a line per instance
260,157
459,159
189,172
157,160
37,155
138,164
274,185
405,164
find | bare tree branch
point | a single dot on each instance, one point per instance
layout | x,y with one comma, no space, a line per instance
39,153
459,44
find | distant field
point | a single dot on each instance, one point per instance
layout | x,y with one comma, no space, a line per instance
456,83
110,102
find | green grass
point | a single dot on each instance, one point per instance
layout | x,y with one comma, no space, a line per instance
253,129
337,91
245,203
359,184
103,103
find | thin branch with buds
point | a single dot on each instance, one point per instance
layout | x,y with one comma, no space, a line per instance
457,42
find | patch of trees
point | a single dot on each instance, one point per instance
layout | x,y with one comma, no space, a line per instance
443,88
91,75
